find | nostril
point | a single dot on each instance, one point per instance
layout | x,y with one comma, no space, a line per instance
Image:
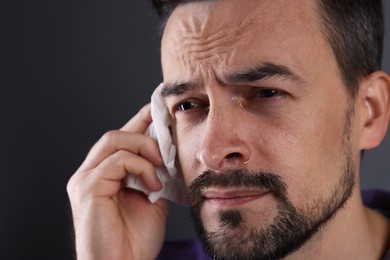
233,156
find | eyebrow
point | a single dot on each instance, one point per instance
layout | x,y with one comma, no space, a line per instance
262,72
177,89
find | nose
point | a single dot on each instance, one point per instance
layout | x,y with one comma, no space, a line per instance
221,146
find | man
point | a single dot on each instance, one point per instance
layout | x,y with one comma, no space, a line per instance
272,104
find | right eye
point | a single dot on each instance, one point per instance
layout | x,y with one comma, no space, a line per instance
187,106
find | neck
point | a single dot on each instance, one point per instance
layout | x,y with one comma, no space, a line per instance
355,232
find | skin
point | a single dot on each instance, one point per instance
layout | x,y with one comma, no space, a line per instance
225,124
297,133
112,222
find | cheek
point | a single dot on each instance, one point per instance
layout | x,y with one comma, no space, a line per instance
187,145
316,156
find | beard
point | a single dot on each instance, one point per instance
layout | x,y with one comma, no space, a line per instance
291,228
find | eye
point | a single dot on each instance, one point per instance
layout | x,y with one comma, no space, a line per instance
268,93
187,106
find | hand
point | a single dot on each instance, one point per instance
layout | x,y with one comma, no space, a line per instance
111,221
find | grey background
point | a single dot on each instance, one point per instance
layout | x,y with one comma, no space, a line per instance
70,71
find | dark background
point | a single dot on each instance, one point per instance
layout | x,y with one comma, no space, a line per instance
70,71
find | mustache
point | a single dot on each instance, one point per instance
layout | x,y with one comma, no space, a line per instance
236,178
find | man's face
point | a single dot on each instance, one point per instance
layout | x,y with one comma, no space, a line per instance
261,120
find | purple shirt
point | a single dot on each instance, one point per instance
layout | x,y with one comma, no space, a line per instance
192,249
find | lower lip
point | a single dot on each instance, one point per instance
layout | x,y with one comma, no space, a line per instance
233,201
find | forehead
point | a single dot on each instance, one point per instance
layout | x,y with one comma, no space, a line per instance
229,34
204,18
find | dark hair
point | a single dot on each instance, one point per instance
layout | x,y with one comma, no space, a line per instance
165,7
354,29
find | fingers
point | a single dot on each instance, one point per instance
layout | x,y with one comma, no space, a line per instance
123,163
117,166
136,143
101,205
140,122
107,179
119,153
114,141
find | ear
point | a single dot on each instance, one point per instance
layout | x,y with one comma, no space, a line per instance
375,94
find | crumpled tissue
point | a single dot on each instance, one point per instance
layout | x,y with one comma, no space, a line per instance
173,187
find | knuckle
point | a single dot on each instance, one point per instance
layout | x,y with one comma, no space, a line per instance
147,141
109,136
78,187
144,114
132,161
72,183
73,187
69,187
145,110
122,157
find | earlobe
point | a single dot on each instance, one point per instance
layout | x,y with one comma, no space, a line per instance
376,94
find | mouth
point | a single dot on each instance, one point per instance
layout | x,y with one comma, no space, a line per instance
231,197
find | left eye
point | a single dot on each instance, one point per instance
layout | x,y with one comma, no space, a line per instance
268,93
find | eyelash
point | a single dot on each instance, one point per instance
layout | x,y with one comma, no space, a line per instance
268,94
181,106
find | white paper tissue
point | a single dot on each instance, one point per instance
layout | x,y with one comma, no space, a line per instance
172,181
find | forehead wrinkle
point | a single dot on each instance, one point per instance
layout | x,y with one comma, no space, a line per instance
220,32
208,46
211,43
